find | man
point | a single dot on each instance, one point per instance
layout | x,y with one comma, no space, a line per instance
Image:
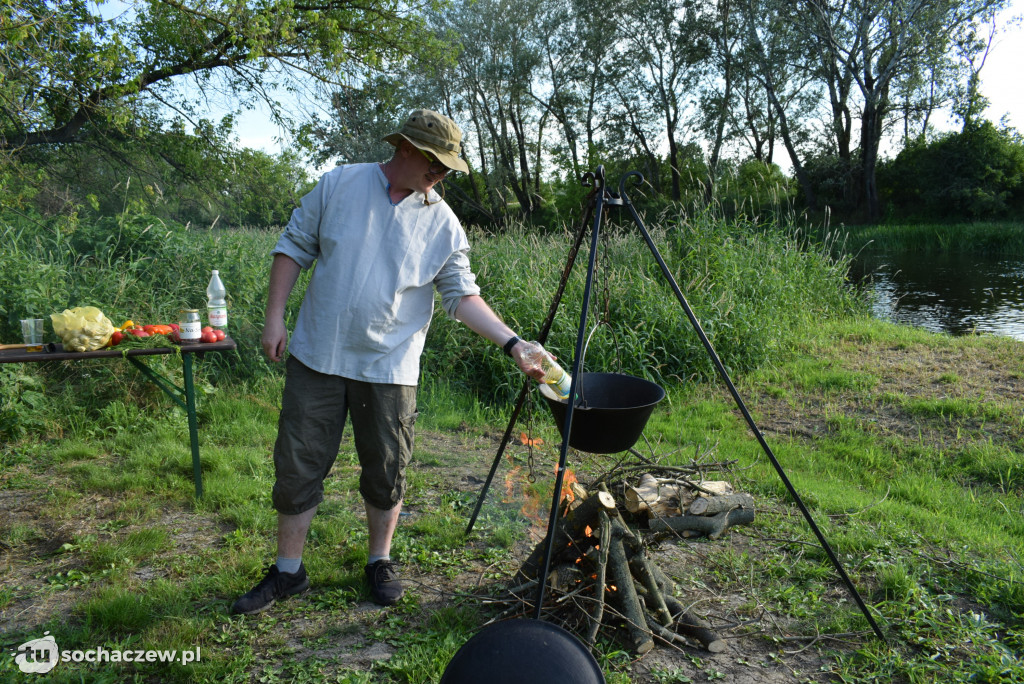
382,240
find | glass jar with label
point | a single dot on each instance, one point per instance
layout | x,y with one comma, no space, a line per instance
190,327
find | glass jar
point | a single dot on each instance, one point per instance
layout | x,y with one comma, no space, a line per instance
190,327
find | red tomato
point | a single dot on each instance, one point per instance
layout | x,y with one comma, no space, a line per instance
207,328
220,334
116,338
209,336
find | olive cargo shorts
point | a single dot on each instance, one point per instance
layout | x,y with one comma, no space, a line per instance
313,411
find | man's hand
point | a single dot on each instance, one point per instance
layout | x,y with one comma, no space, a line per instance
527,365
283,274
275,339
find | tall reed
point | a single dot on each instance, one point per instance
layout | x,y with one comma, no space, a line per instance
750,285
977,238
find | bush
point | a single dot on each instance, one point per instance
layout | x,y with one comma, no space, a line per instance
975,174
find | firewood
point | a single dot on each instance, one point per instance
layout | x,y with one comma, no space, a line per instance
707,638
604,541
639,498
711,525
696,628
713,487
655,598
656,498
567,530
610,566
565,577
712,505
626,598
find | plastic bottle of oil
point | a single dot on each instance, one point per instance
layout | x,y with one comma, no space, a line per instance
554,375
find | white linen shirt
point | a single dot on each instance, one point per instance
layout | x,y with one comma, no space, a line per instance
369,302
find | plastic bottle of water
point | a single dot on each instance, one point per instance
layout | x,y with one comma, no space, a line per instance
554,375
216,303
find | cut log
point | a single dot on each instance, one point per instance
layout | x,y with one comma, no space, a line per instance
694,627
656,498
625,598
713,487
643,571
711,525
712,505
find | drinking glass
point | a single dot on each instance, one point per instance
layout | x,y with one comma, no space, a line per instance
32,331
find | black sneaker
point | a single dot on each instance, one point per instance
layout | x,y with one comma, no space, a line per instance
385,587
276,585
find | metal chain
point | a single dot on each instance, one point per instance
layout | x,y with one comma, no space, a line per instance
531,475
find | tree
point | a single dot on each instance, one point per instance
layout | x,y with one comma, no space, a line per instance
719,97
768,56
67,72
494,77
874,43
665,40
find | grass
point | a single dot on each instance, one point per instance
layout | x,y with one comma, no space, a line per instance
914,480
905,446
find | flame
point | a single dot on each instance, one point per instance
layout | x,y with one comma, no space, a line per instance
518,488
534,501
567,481
525,440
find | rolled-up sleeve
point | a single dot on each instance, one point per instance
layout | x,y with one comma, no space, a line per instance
301,237
454,281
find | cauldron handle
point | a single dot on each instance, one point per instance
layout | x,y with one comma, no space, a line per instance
583,357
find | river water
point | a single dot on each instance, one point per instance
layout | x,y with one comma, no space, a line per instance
958,294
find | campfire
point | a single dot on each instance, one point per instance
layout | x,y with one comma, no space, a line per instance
595,557
603,576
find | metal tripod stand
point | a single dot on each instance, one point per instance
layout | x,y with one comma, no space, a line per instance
600,197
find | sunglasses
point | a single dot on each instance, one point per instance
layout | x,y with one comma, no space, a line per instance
436,168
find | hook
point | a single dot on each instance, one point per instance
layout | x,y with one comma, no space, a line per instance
622,183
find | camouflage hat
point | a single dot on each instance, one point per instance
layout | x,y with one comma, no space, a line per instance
434,133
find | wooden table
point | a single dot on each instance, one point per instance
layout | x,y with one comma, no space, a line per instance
184,396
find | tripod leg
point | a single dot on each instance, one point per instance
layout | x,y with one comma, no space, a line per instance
750,420
542,338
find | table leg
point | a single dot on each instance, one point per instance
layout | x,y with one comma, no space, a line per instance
193,423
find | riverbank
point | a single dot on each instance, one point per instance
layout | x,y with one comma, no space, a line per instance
904,445
960,238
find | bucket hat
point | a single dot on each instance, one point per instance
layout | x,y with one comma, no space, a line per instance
434,133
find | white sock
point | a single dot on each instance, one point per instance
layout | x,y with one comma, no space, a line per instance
374,559
289,565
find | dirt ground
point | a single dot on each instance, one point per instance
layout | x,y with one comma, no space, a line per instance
753,655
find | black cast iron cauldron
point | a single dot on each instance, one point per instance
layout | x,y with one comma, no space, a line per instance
523,652
610,413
